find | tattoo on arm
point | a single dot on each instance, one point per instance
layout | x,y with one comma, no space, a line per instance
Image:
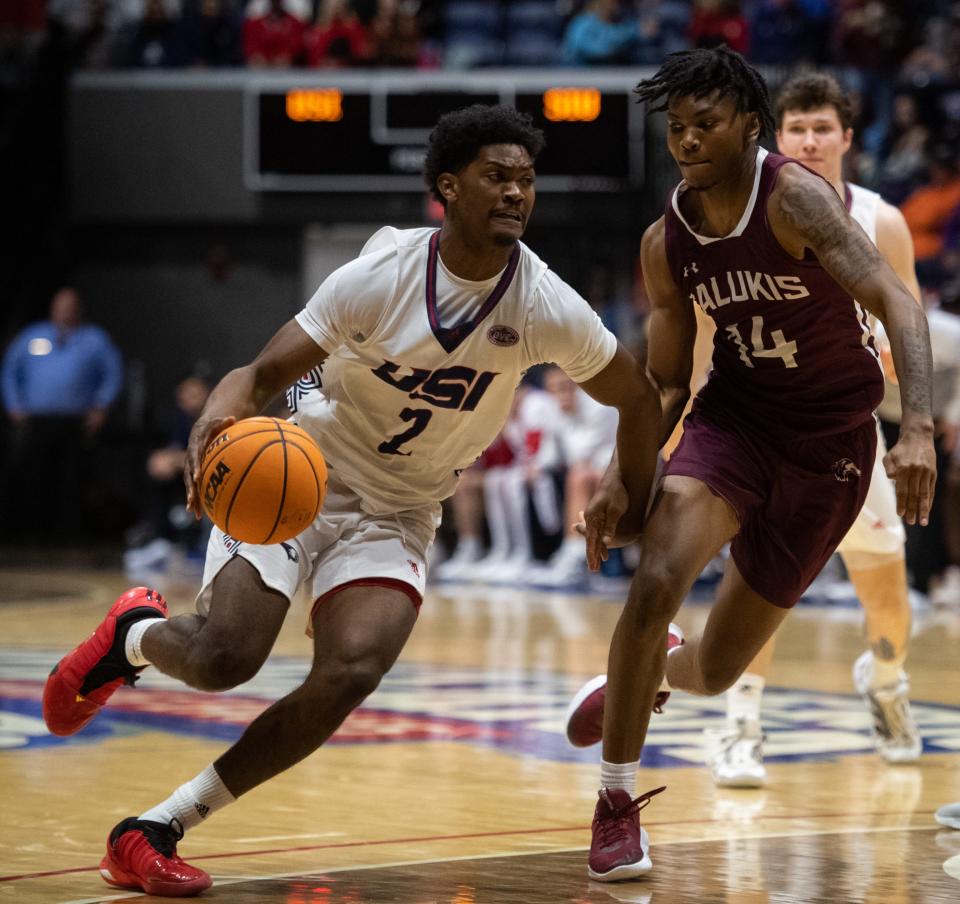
826,230
918,366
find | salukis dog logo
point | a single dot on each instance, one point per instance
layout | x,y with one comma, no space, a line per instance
845,470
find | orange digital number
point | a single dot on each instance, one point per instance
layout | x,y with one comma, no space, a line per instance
315,104
571,104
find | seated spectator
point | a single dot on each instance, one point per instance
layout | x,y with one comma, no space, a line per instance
158,40
274,39
904,160
164,517
717,22
212,33
928,210
396,34
585,433
601,35
776,30
338,39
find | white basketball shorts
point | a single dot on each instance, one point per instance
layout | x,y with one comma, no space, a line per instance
343,545
878,528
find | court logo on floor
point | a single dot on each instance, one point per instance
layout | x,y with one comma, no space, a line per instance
517,712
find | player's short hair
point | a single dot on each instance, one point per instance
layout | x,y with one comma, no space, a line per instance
811,91
458,136
700,72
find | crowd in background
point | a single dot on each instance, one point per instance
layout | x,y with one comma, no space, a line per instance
901,67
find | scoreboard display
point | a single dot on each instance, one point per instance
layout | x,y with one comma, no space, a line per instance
373,137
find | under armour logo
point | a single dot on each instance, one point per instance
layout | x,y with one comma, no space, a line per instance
691,268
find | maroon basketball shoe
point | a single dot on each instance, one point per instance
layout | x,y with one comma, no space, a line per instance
585,713
142,854
82,682
619,847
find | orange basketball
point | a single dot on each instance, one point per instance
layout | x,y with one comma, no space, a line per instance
263,480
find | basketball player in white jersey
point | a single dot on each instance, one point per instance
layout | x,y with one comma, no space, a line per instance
404,365
814,125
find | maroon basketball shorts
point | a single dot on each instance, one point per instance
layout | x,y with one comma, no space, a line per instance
795,500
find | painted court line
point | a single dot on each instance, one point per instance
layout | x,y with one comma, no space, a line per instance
500,834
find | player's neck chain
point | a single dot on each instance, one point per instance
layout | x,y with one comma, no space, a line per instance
450,337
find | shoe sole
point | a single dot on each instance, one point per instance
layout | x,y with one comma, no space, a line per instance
115,876
627,870
951,822
740,782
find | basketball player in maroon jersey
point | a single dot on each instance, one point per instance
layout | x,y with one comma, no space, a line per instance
777,451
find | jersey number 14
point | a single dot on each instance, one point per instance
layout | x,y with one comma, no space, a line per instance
782,349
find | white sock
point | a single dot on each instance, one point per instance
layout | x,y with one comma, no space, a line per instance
619,775
885,672
193,802
468,549
744,698
134,638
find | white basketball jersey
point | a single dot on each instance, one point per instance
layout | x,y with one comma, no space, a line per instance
422,366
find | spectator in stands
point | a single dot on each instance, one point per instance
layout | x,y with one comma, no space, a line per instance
59,377
165,520
602,34
716,22
338,39
904,159
776,33
90,31
585,433
158,39
928,211
274,39
396,34
212,33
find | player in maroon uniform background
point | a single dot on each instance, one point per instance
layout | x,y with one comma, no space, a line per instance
777,451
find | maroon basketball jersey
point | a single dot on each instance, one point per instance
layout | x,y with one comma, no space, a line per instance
792,353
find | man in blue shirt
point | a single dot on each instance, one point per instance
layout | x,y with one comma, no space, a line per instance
59,378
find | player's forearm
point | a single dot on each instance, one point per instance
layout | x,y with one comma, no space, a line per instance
909,338
241,393
673,401
635,459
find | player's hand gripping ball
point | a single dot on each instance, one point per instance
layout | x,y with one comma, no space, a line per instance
262,480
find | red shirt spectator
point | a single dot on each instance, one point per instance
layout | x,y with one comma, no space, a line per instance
275,39
716,22
338,38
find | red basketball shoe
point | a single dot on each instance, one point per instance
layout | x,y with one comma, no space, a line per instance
619,847
82,682
143,854
585,713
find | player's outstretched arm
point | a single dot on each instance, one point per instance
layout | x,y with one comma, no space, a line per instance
614,515
806,212
246,391
671,330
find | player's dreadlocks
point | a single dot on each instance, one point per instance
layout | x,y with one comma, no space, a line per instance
701,72
458,136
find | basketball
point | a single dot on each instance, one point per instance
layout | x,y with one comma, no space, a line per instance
263,480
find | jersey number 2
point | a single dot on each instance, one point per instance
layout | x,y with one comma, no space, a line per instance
782,349
420,417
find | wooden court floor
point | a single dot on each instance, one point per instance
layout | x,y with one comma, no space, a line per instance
453,783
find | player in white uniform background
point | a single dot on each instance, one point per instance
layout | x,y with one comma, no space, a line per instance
814,120
404,365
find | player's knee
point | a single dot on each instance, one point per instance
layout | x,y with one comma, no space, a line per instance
655,596
718,676
354,678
